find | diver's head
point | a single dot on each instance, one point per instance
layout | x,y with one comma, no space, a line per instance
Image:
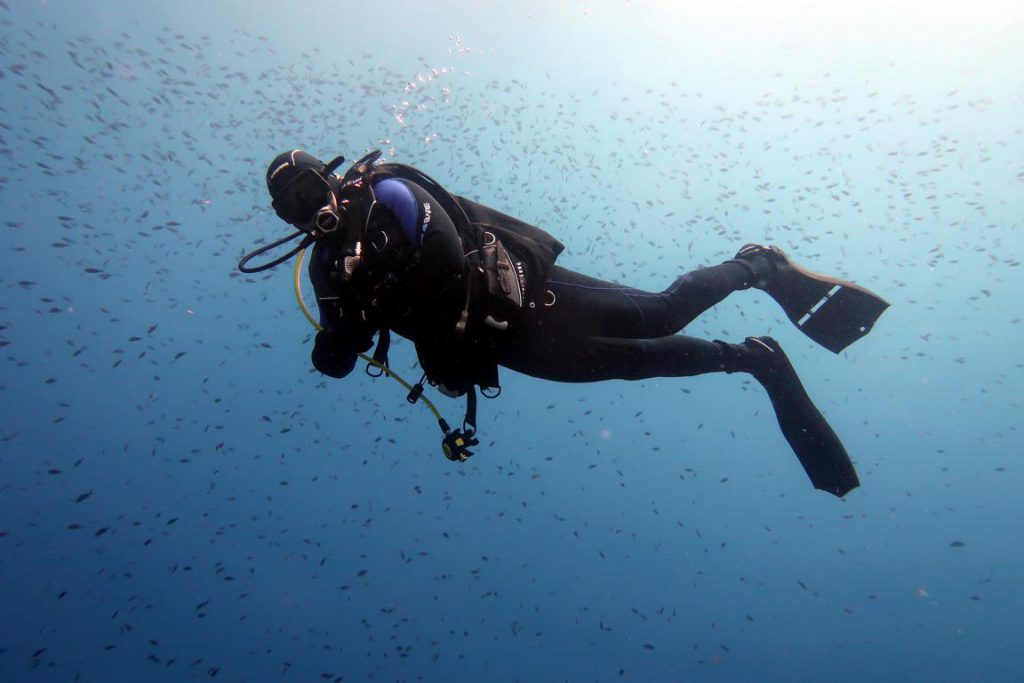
302,189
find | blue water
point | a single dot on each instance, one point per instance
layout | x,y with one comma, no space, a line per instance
182,497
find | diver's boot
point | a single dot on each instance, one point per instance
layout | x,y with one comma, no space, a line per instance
761,263
818,448
833,312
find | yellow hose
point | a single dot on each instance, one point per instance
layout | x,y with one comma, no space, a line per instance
298,291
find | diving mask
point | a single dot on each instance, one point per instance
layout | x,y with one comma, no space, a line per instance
305,202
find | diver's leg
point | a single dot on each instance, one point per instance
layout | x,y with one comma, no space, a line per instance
588,307
594,359
573,359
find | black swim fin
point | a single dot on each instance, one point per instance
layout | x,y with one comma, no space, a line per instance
833,312
809,435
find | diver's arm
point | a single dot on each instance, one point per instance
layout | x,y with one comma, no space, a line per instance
344,333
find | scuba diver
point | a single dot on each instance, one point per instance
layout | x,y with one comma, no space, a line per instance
474,289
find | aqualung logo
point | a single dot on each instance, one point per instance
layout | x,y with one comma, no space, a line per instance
426,217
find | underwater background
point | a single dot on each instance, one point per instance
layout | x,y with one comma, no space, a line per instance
182,497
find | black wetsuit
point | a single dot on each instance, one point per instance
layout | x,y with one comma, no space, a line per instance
590,330
420,276
584,329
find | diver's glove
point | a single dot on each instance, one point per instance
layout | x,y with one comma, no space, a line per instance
330,355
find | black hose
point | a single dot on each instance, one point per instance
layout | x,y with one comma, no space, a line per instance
273,245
